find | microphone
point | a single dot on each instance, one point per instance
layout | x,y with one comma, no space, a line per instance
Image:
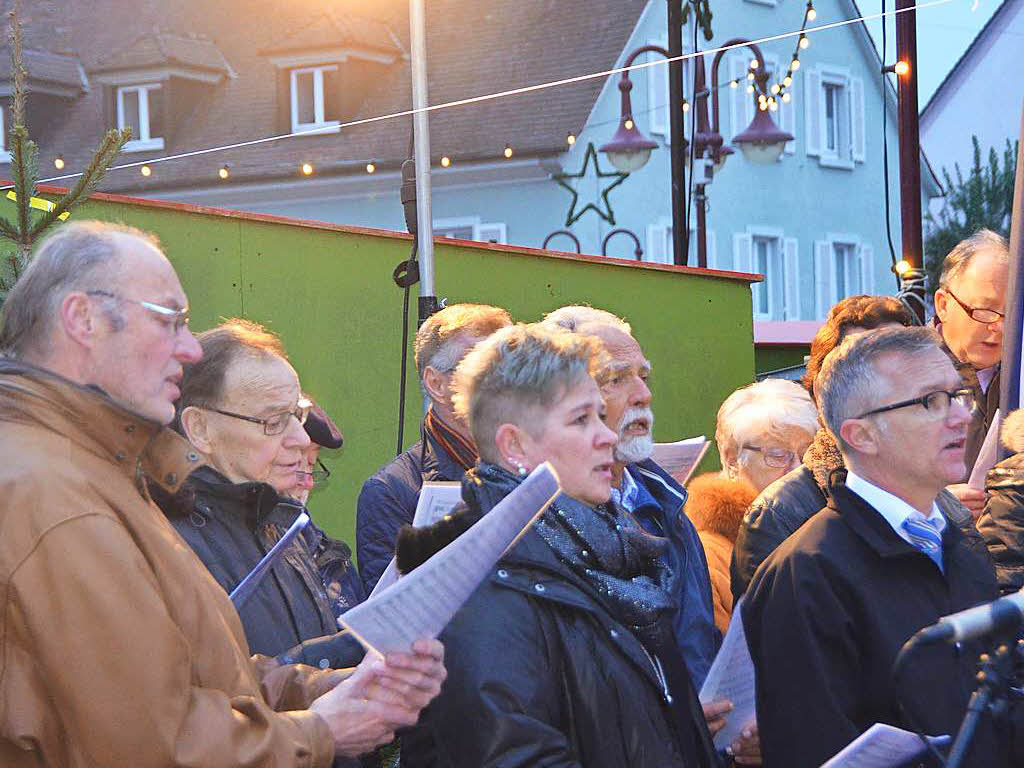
1006,613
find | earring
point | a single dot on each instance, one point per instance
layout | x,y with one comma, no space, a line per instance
519,467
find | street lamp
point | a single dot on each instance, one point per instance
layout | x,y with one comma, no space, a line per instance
762,142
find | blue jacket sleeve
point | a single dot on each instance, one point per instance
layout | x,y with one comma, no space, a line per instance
380,513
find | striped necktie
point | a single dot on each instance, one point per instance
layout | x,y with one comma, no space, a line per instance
925,537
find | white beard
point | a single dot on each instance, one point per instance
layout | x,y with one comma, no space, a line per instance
638,447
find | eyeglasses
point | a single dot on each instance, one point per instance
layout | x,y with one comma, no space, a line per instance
936,402
773,457
978,314
276,424
178,318
319,474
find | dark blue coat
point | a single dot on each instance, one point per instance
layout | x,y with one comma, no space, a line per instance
695,622
388,501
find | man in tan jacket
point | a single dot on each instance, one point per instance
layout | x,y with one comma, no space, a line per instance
117,648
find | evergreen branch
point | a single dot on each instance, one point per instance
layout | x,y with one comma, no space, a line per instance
24,154
88,181
7,229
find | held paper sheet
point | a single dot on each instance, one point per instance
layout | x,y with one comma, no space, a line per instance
681,458
882,746
988,455
732,677
422,603
437,499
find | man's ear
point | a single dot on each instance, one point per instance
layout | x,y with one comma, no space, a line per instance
861,435
436,384
941,303
196,426
512,442
79,318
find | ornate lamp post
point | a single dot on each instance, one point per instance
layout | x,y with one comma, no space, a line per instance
762,143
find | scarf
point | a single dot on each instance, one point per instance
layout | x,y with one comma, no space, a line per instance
601,546
462,451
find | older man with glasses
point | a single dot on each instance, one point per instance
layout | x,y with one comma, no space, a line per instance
118,648
969,307
828,611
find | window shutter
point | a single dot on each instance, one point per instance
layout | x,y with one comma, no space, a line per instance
657,94
284,100
857,132
812,112
791,265
824,278
742,244
867,269
493,232
713,251
657,250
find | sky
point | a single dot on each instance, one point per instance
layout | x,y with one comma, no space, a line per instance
943,34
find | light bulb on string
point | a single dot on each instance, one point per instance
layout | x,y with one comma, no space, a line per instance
734,84
754,64
750,75
686,106
901,68
750,89
805,42
371,168
787,81
224,171
508,150
776,88
811,13
146,171
445,161
58,162
307,169
795,65
629,125
570,138
786,97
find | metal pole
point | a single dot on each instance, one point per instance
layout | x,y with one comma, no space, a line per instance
910,143
1013,334
421,153
680,226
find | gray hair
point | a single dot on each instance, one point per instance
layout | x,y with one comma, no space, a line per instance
575,316
957,260
70,259
516,374
437,340
782,404
848,379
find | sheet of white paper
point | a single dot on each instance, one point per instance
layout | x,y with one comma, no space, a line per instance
423,602
882,746
732,677
681,458
988,455
436,500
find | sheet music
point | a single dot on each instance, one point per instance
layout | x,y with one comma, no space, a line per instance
437,499
422,603
732,677
882,746
681,458
988,455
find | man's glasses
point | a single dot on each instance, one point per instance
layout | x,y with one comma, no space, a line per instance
175,317
275,424
936,402
978,314
319,473
773,457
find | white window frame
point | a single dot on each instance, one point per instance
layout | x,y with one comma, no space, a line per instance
851,147
319,100
826,265
482,231
658,94
776,258
660,247
145,142
787,255
5,155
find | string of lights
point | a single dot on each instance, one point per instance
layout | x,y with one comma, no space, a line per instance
307,169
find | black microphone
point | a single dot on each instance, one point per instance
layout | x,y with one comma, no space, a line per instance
1000,615
408,195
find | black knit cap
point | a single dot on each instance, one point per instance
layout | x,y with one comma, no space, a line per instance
321,429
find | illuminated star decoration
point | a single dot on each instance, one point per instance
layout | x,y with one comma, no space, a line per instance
561,179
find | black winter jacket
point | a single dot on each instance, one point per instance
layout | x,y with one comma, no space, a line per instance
825,617
789,502
388,501
540,673
1002,522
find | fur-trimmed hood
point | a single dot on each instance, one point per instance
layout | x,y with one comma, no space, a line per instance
823,458
1013,431
717,504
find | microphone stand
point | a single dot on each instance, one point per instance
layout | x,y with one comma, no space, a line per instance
993,688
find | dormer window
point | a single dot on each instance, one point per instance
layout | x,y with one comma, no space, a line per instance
140,107
313,91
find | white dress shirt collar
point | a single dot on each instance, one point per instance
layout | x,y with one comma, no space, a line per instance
892,508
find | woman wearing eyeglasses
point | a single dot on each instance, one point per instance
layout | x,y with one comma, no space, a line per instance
762,433
242,409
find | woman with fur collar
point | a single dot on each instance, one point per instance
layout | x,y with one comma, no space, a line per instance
1002,522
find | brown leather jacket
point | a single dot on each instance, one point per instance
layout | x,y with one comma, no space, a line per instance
117,648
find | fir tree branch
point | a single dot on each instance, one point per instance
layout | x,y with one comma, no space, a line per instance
7,229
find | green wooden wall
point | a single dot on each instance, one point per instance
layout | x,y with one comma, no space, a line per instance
328,291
